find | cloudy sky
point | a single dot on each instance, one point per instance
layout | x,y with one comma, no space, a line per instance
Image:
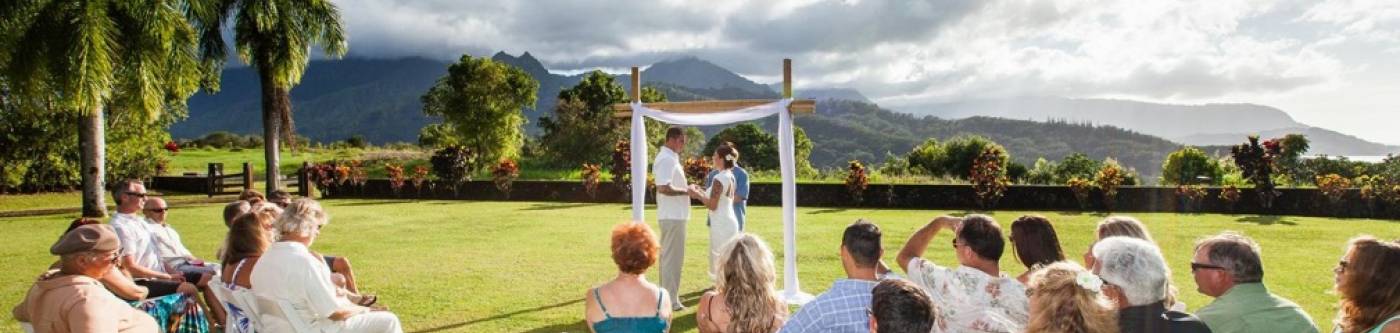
1329,63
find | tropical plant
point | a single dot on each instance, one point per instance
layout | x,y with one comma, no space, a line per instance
1108,179
590,175
96,57
1230,194
395,173
453,165
621,166
1256,164
1081,188
1191,195
857,181
583,128
480,100
758,150
1333,186
1189,166
504,174
696,169
1076,165
988,176
420,175
275,39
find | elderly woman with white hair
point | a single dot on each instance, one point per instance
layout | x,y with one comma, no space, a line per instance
289,273
1135,279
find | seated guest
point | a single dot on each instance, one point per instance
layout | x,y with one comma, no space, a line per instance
629,303
179,310
1135,276
899,306
1066,298
1128,226
72,299
281,198
248,237
1036,245
175,257
1227,267
743,299
288,272
252,196
139,256
843,307
1368,279
234,209
976,296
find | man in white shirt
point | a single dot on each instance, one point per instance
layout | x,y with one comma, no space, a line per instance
975,296
169,247
672,211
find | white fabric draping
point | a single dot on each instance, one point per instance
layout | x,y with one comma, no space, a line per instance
791,290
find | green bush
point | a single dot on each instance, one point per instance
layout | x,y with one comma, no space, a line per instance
1187,166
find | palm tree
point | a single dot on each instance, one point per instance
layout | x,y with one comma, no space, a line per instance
86,56
275,37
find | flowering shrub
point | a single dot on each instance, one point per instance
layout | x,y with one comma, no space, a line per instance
342,174
1081,188
622,165
857,181
590,176
395,173
172,147
1191,195
1333,186
453,165
1109,177
358,175
988,176
420,175
504,175
1230,194
696,169
1256,163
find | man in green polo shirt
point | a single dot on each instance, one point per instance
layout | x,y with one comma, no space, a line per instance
1227,267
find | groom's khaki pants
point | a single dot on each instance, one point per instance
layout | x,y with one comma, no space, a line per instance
672,257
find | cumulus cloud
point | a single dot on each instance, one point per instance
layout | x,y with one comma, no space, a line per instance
910,52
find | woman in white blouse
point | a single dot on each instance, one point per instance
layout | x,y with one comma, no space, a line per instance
289,273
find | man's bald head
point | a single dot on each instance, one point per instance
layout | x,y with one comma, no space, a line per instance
155,209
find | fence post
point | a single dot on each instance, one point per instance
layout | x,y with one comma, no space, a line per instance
303,184
247,176
211,178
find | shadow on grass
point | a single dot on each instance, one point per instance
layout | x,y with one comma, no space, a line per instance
557,206
827,211
1266,220
373,203
691,301
503,316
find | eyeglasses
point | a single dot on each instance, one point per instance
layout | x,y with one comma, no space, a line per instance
955,243
157,210
1199,266
136,194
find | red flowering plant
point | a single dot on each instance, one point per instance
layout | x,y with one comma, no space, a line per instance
1191,195
395,173
358,175
1230,194
504,174
342,174
696,169
590,176
988,176
420,175
172,147
1334,187
622,165
1256,163
857,181
322,175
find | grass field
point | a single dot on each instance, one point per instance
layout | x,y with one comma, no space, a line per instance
454,266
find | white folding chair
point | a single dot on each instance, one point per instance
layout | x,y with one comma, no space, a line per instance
275,310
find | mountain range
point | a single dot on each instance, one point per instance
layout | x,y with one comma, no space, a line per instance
379,99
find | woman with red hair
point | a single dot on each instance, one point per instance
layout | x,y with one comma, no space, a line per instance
1368,278
629,303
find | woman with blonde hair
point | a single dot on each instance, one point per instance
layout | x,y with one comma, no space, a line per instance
1368,279
1065,297
743,299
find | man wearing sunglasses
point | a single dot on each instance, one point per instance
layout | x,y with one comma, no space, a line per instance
1227,267
139,255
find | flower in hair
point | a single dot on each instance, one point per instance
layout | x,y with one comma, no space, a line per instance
1089,281
729,158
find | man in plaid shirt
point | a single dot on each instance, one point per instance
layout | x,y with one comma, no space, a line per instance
843,308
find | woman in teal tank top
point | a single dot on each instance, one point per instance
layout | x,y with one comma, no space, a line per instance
1368,278
629,303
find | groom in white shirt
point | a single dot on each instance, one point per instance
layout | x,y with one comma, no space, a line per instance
672,211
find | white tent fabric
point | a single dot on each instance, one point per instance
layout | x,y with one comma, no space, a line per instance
792,292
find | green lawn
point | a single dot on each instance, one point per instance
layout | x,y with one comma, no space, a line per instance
455,266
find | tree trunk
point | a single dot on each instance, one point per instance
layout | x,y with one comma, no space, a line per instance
92,150
275,101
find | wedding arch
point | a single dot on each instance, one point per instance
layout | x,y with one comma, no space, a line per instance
720,112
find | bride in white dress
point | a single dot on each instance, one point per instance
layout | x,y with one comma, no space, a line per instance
719,201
